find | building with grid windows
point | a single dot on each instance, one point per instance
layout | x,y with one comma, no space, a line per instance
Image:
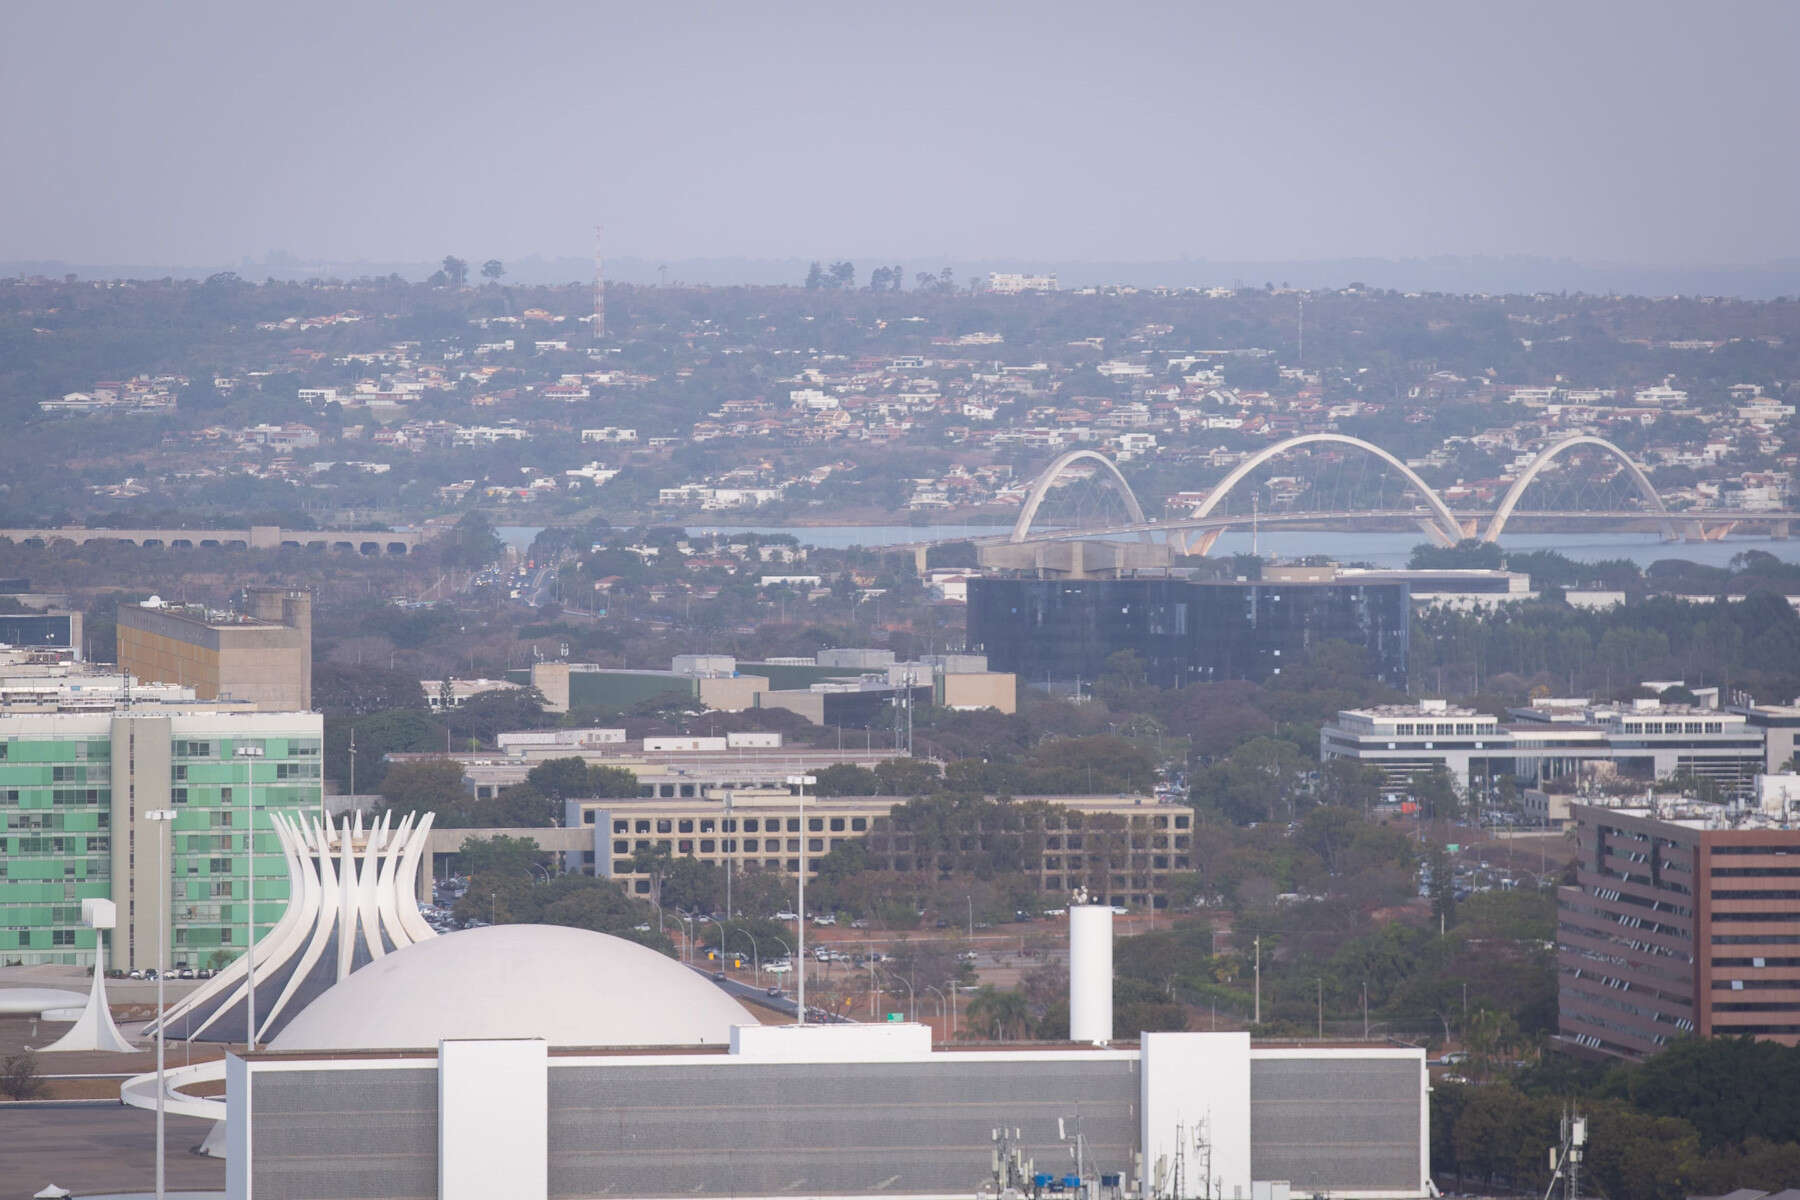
74,788
1552,739
1185,631
1122,849
1682,921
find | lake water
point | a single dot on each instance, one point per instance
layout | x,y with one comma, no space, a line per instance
1381,549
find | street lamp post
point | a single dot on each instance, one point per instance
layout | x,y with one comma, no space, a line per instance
946,1002
755,958
912,1003
250,754
800,782
163,817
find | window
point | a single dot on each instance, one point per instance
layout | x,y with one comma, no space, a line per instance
858,824
708,846
815,824
749,824
837,824
793,825
621,847
665,826
643,827
621,826
686,825
62,937
750,845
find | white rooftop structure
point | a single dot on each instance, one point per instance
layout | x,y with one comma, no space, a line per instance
566,986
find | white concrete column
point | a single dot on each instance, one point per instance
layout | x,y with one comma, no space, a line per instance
1196,1102
494,1120
1091,973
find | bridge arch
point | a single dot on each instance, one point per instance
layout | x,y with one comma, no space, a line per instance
1048,477
1443,522
1645,488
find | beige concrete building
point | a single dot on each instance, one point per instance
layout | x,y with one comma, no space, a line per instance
263,656
666,774
1121,848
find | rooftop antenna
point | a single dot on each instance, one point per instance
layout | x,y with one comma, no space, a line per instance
1565,1158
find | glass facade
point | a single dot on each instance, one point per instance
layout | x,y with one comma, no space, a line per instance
55,845
1185,631
208,790
57,791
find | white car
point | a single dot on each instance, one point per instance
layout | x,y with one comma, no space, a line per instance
778,967
785,915
826,919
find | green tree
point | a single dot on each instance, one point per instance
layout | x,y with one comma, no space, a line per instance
560,778
498,855
456,270
519,806
653,860
998,1015
693,886
432,785
906,777
19,1078
847,779
493,269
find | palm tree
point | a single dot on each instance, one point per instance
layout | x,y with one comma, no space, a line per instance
997,1014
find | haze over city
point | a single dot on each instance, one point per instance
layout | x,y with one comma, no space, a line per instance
1063,601
1618,133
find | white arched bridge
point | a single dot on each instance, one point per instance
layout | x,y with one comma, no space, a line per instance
1198,531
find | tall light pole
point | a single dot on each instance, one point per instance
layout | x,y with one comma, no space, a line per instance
163,817
800,782
729,840
250,754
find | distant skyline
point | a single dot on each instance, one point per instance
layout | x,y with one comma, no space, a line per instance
196,134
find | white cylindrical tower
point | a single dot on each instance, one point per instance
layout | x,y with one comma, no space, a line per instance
1091,973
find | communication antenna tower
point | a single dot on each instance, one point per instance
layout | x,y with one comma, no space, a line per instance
1565,1157
599,287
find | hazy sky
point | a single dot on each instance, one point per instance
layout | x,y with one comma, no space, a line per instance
187,133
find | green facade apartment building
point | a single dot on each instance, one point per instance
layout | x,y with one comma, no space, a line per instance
74,788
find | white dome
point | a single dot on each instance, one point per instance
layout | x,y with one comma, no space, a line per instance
571,987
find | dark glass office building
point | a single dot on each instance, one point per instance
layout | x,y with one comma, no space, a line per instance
58,631
1186,631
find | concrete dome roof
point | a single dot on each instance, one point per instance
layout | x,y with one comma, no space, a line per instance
571,987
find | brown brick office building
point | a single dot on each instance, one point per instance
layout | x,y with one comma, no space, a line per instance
1679,923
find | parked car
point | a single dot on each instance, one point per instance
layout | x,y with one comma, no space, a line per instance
785,915
772,990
